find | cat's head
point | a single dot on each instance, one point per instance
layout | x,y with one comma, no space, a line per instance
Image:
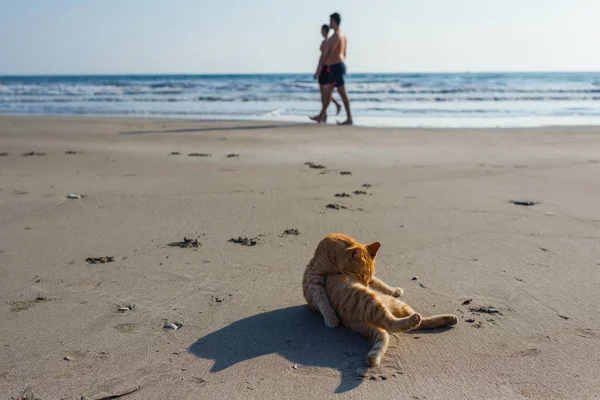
360,261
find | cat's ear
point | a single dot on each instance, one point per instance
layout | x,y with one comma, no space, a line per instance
355,252
373,248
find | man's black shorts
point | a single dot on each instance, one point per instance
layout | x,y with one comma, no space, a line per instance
336,74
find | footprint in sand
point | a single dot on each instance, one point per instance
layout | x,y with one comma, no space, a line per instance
75,355
18,306
528,352
126,327
586,333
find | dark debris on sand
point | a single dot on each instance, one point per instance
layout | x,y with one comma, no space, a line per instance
367,185
175,153
70,152
100,260
345,173
32,153
186,243
525,203
294,232
487,310
244,241
4,154
336,206
342,195
232,155
314,166
199,155
359,192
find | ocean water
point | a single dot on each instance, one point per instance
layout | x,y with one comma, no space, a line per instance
402,100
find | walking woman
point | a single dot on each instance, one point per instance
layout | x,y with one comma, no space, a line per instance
324,73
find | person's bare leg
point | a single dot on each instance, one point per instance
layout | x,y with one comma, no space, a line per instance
337,105
346,100
328,94
322,89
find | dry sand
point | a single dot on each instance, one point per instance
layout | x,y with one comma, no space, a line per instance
439,205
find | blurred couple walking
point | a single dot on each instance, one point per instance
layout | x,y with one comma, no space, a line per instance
332,69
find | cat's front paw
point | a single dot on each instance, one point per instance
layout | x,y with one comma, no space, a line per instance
397,292
332,321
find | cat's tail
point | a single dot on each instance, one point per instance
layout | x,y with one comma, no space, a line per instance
379,337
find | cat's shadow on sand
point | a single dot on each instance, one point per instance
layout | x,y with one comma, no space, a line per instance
296,333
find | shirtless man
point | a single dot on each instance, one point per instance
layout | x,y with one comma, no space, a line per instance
334,55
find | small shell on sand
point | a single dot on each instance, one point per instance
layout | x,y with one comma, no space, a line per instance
172,325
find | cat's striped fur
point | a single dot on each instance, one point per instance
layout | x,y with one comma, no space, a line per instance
374,314
334,256
339,282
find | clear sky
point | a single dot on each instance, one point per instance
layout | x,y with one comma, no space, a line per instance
253,36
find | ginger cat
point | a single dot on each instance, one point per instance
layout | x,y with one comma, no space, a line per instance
363,303
333,256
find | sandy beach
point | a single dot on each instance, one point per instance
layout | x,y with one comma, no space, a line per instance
437,200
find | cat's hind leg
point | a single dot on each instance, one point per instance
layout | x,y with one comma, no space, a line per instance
402,310
438,321
379,337
373,311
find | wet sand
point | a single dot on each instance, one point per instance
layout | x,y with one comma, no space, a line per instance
439,204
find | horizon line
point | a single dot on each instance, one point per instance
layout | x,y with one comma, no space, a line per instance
291,73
